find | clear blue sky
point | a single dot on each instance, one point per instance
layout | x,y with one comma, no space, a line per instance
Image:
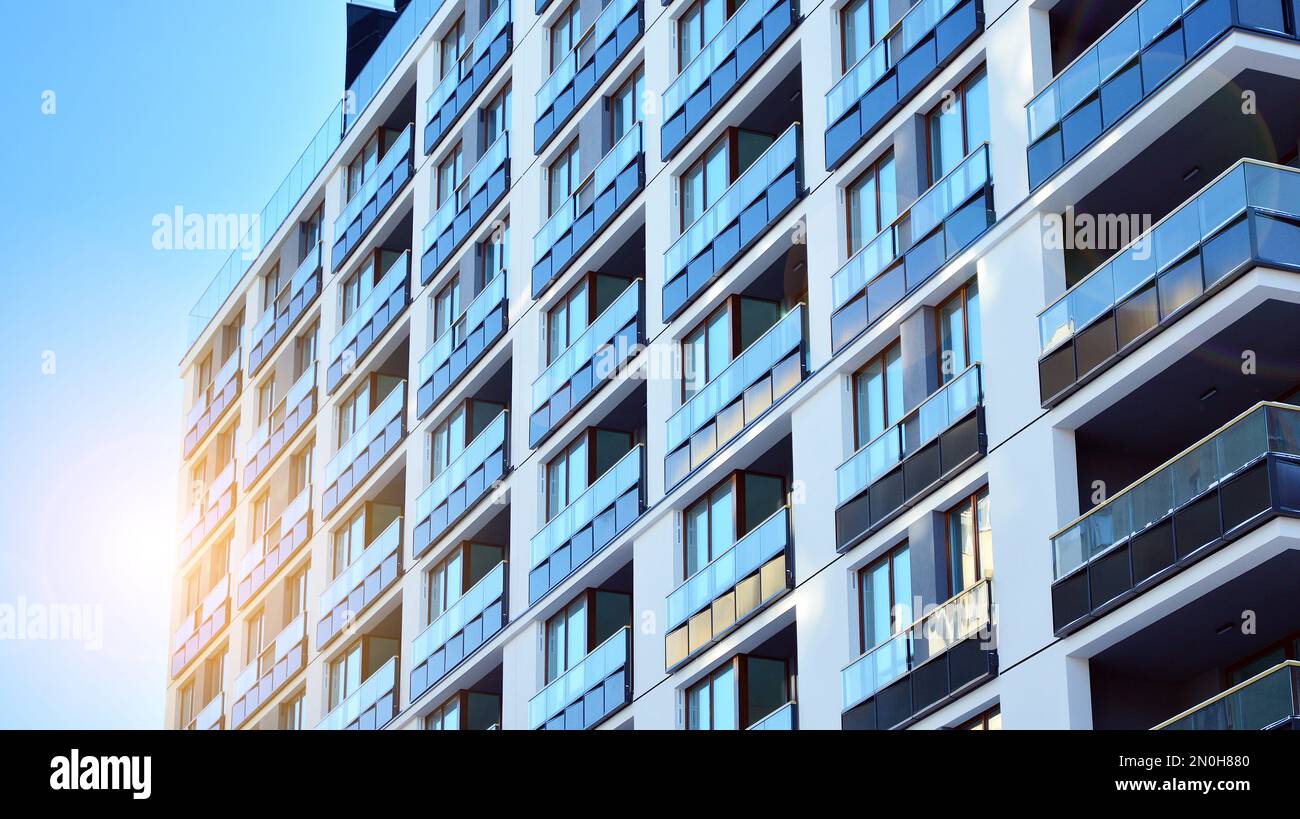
202,104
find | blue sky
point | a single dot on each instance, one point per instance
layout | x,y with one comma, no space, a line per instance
202,104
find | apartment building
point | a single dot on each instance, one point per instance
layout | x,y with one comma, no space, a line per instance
761,364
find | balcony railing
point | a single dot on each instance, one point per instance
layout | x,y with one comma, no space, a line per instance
593,358
898,467
280,661
480,61
369,320
1230,226
459,631
592,689
290,415
580,219
281,541
456,219
460,346
957,633
941,223
713,75
371,706
1148,47
357,586
768,369
371,200
1266,701
904,59
785,718
303,288
463,483
358,457
732,587
200,626
590,60
588,524
1216,490
212,717
762,194
219,396
207,514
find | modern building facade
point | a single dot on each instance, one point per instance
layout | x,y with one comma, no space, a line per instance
764,365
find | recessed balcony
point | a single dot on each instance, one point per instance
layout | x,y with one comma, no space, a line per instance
278,546
371,706
1269,701
932,662
910,459
463,484
785,718
460,346
942,222
743,213
580,219
590,691
365,450
212,717
590,61
734,54
373,198
200,626
460,630
369,321
278,320
908,56
464,211
292,414
262,678
209,513
218,397
456,91
360,584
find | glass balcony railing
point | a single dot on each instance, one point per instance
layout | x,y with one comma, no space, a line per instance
762,543
612,319
488,299
493,26
378,688
396,43
452,621
216,389
360,440
211,717
491,439
306,270
273,548
589,672
371,558
948,404
965,615
299,392
1267,700
782,719
289,638
715,52
602,493
398,152
600,31
445,215
756,360
393,279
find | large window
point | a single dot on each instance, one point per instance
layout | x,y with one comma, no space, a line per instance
708,178
562,177
727,513
254,637
862,24
565,33
584,460
354,409
449,175
366,162
625,106
738,694
878,395
291,714
970,543
496,117
958,125
305,349
725,334
578,308
711,704
446,310
700,24
450,437
449,579
959,332
582,626
872,202
886,597
349,542
345,674
451,48
990,720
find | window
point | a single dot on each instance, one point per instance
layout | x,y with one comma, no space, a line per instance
449,50
570,473
959,125
700,24
886,597
366,162
625,106
291,714
711,705
445,717
354,410
295,594
446,310
191,595
231,335
494,253
349,542
254,634
578,308
715,522
309,233
270,287
300,471
959,332
220,564
185,706
738,694
562,177
449,176
265,400
261,516
345,675
878,395
566,638
564,34
872,202
203,381
496,117
709,177
305,349
445,584
449,438
862,24
214,676
356,288
226,444
990,720
725,334
970,543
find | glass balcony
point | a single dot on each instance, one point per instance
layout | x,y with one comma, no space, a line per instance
1136,57
1214,491
768,369
1229,227
206,515
579,220
956,634
211,407
732,587
1265,701
369,321
269,439
370,707
457,218
357,586
396,43
274,325
592,689
588,524
942,222
734,53
459,631
742,214
277,664
908,56
201,626
784,718
452,96
362,453
282,541
592,58
460,346
910,459
466,481
594,357
372,199
212,717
